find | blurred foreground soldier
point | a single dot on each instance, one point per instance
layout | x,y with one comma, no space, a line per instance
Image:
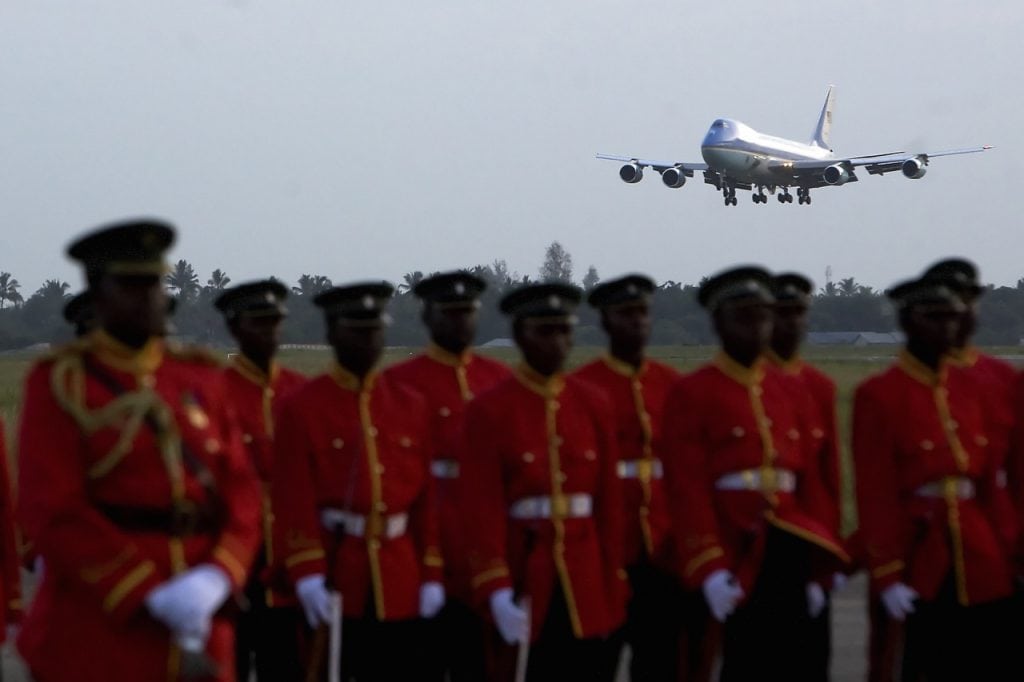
924,475
636,387
817,391
449,375
748,505
543,503
134,487
352,495
268,631
78,312
10,575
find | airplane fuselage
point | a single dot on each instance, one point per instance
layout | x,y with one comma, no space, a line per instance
737,151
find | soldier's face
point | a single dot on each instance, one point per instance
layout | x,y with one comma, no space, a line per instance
934,326
258,336
745,328
788,328
132,308
628,325
452,328
356,347
545,345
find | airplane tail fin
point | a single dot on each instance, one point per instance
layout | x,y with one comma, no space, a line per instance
823,133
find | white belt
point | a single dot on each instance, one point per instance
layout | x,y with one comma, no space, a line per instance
355,524
576,506
782,480
963,488
640,468
444,468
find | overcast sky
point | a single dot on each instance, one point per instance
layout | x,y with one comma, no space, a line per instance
362,140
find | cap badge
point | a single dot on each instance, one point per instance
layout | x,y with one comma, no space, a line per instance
632,290
555,302
368,302
460,289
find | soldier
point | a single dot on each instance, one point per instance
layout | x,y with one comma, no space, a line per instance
543,503
353,496
268,631
636,387
747,501
924,471
134,486
10,575
810,385
79,314
449,375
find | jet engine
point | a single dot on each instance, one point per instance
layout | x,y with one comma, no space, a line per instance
836,174
914,168
631,173
673,177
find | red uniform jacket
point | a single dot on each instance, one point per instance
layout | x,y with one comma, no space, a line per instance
545,439
638,400
728,419
364,448
998,379
256,397
10,573
913,427
85,451
814,386
448,382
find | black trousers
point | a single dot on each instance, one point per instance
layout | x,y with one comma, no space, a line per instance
454,645
769,637
654,625
947,641
558,656
381,651
267,641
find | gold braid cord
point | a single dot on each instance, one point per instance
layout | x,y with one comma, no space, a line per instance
126,412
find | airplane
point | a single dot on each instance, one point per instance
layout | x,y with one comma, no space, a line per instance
738,157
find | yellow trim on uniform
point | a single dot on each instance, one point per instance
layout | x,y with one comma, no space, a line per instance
95,573
964,357
558,515
809,536
349,381
707,555
546,387
301,557
888,569
137,361
433,561
231,562
374,520
490,574
940,395
438,354
747,376
126,584
624,368
916,369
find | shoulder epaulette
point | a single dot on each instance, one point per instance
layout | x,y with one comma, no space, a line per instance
194,353
75,347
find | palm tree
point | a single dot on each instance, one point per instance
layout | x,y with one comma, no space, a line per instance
409,281
219,280
311,285
52,291
848,287
183,281
829,289
9,289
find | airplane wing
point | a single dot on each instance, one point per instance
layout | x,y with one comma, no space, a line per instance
660,166
812,173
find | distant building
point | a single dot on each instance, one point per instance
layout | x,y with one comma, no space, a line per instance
498,343
858,339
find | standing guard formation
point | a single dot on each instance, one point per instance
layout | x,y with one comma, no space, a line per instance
451,518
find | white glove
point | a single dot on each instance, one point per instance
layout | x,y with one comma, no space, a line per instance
186,603
839,581
11,631
511,620
816,601
38,567
431,599
898,600
722,594
316,601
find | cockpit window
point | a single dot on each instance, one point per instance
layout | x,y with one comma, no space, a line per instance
720,124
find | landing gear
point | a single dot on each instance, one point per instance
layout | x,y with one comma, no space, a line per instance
760,197
785,197
803,196
729,193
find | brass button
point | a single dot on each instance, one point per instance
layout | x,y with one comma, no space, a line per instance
562,477
247,438
147,381
405,442
445,412
981,440
557,440
528,457
372,431
337,444
818,433
757,390
739,431
211,445
380,469
927,445
375,544
590,455
269,393
794,434
382,507
767,422
952,424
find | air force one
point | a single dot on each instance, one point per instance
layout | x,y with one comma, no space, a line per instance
738,157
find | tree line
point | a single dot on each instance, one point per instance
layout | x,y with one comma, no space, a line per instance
844,305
